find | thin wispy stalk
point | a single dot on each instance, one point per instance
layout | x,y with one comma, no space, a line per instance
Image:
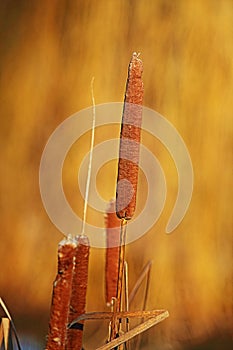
4,307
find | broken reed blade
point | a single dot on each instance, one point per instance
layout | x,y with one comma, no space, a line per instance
5,334
113,227
144,273
108,316
61,296
123,338
130,141
79,291
4,307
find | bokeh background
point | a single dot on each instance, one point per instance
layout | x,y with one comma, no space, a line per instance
49,52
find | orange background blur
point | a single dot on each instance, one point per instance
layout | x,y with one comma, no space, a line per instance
49,51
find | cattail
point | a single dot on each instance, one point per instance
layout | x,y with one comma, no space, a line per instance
113,230
78,294
130,141
61,296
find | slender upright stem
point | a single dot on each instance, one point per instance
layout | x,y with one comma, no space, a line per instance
120,278
121,263
138,340
3,305
126,280
90,159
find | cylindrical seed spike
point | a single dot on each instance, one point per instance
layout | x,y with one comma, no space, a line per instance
113,230
78,294
130,142
61,296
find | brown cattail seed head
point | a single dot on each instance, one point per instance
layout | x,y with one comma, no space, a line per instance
130,141
113,229
61,296
79,291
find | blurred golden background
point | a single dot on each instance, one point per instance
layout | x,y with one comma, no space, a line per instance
49,52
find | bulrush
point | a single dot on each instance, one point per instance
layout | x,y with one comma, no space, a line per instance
130,141
113,230
56,339
78,293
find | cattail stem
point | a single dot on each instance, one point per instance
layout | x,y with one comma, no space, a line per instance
78,294
61,296
121,260
128,165
129,157
121,264
126,281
